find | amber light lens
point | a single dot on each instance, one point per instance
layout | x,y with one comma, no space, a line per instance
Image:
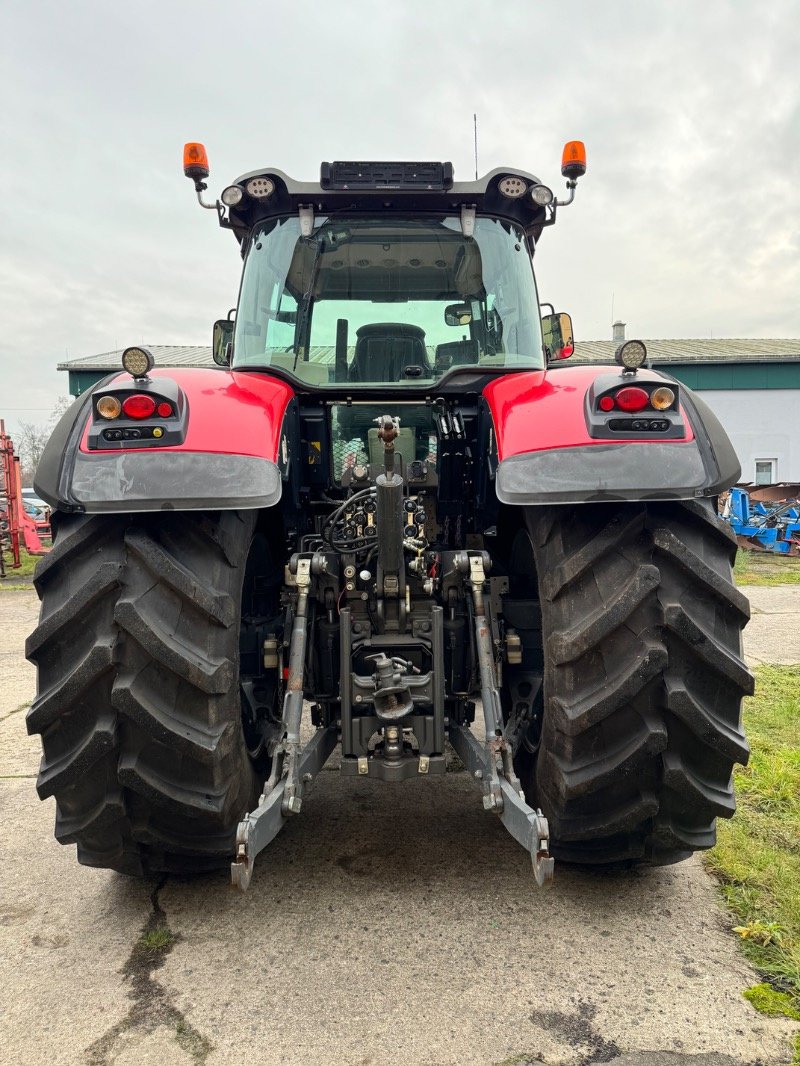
573,159
632,399
108,407
195,160
662,398
139,406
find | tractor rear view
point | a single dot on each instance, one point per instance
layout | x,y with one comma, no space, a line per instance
393,509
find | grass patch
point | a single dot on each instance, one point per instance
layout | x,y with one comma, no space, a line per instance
25,570
766,569
776,1004
757,857
159,939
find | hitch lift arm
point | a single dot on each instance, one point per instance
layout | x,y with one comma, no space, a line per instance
491,762
282,796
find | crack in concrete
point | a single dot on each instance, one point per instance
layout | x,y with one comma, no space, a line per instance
152,1004
22,707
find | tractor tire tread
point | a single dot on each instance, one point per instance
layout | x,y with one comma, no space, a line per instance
644,677
138,707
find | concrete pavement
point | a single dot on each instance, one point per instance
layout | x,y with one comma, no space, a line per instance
383,926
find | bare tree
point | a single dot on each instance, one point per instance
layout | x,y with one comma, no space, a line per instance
31,440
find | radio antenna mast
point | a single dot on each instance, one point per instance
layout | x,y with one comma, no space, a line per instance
475,127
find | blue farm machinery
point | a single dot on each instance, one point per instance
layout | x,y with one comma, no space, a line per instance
772,527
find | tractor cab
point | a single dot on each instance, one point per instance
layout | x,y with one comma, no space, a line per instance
386,274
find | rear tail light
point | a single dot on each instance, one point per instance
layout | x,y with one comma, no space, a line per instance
165,409
632,399
662,398
109,407
139,406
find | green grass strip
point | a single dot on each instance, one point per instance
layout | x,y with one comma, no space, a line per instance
757,857
766,569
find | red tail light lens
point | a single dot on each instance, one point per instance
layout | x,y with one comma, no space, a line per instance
629,399
606,403
140,406
165,409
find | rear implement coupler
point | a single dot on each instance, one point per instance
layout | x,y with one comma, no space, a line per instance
392,715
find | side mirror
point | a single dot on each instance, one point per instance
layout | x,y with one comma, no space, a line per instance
557,336
222,341
458,314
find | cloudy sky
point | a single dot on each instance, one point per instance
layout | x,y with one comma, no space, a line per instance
688,217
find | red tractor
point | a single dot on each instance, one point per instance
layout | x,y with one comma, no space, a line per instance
394,508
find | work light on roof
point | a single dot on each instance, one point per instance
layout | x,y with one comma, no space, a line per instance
513,187
541,195
138,362
232,195
260,188
631,355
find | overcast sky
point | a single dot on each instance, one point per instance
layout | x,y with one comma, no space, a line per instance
688,217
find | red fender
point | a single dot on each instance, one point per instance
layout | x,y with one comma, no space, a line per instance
226,454
230,412
544,410
547,455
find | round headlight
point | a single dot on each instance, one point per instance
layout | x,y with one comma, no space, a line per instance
138,362
662,398
260,188
541,195
108,407
232,195
631,354
513,187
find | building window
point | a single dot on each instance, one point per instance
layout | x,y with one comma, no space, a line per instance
765,471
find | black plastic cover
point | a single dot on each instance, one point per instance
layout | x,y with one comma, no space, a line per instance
183,481
370,175
604,472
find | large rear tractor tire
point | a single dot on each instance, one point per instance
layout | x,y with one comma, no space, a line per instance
138,700
643,678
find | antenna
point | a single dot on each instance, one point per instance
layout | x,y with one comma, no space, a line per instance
475,127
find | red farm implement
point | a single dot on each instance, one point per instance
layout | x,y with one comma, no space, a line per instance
17,526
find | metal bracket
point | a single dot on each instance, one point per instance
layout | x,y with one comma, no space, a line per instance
306,214
527,826
522,714
468,221
261,826
477,574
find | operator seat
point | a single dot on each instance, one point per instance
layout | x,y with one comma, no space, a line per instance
384,350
